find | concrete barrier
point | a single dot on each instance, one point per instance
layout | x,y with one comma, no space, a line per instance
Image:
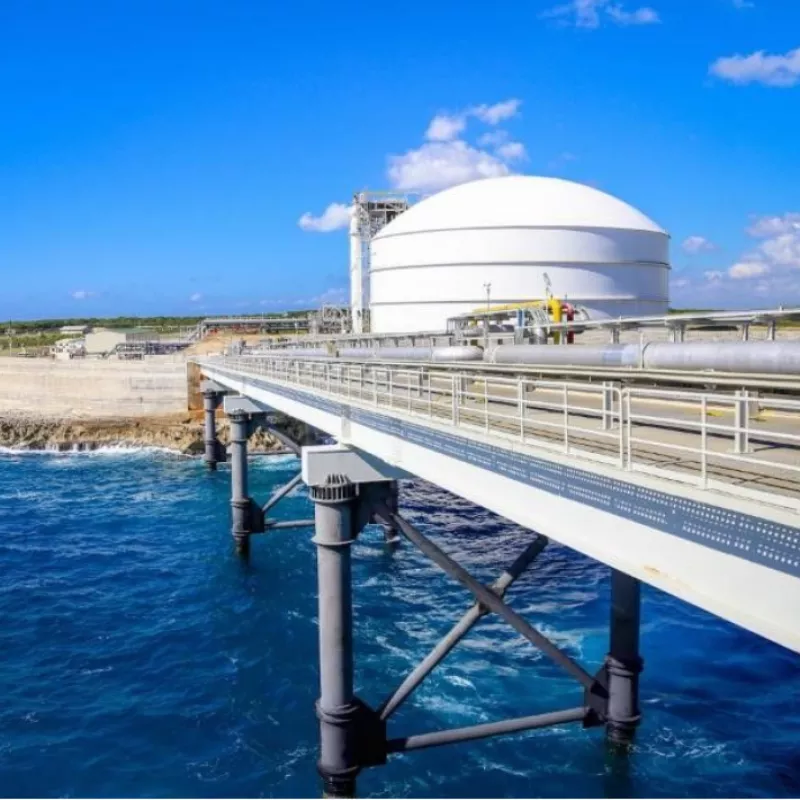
93,388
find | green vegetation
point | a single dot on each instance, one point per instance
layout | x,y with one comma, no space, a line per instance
160,324
25,335
164,324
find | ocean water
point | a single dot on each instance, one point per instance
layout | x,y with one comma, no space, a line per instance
139,657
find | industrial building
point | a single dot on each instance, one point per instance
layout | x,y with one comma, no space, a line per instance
101,342
75,330
501,241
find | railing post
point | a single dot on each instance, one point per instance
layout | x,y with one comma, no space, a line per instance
628,432
456,384
608,405
521,407
704,441
741,422
623,662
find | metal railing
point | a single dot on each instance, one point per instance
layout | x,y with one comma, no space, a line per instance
732,443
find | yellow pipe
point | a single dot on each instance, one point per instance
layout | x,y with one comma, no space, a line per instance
554,307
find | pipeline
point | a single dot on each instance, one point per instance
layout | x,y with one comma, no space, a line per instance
437,355
761,357
294,352
766,358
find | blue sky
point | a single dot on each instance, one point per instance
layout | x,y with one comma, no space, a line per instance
158,157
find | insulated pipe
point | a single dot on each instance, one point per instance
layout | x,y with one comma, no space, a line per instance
773,358
612,355
434,354
759,357
298,352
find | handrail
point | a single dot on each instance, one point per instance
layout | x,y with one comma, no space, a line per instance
705,438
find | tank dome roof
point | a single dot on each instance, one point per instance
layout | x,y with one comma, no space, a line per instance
519,201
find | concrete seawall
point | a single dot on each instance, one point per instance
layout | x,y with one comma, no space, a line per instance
92,388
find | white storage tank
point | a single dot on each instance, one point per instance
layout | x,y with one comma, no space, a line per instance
434,261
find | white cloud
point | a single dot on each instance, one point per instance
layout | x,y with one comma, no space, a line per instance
506,150
445,127
760,67
697,244
444,160
493,138
335,216
333,297
640,16
497,113
585,12
781,240
512,151
783,250
196,297
591,13
81,294
438,165
774,226
679,283
748,269
769,270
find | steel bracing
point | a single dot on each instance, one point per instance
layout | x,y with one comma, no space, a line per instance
354,735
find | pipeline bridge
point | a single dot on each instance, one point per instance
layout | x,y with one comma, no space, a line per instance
686,481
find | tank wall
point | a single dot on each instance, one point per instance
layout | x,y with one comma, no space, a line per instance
518,245
414,317
465,283
418,280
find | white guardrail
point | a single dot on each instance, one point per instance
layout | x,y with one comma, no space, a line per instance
732,443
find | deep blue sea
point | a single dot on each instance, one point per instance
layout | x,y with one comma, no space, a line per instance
139,657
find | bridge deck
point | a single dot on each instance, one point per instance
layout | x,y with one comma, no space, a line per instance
645,480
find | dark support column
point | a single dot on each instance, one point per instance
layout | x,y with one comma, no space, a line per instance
337,709
211,401
623,662
240,500
391,537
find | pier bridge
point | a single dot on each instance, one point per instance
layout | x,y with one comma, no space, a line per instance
689,483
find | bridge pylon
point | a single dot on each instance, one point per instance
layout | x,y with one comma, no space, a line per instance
214,451
351,490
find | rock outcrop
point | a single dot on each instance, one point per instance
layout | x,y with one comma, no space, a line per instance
182,433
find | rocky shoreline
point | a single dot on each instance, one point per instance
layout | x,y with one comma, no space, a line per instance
181,433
